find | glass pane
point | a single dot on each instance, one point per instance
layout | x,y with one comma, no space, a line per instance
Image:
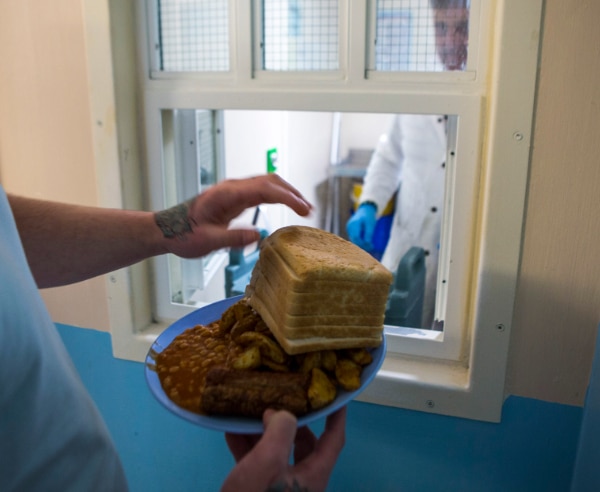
206,148
421,35
403,180
398,161
300,35
194,35
190,165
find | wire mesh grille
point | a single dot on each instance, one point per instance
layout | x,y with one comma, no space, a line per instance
207,158
421,35
300,35
303,35
194,35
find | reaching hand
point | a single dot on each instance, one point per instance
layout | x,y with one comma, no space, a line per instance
361,226
263,461
199,226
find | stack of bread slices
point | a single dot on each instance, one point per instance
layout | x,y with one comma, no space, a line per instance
317,291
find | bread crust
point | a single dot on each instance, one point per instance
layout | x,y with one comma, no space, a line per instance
314,254
317,291
355,302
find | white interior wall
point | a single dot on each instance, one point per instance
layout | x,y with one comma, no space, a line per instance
304,141
248,137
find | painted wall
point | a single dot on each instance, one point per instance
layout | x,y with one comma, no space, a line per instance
48,123
46,148
557,307
387,449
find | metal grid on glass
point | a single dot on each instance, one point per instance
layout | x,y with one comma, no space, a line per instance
421,35
194,35
207,156
300,35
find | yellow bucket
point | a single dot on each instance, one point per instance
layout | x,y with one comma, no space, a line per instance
356,192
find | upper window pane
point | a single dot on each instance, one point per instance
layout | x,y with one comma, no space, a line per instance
300,35
194,35
421,35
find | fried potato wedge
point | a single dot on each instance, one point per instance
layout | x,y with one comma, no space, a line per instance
321,391
248,359
228,319
268,348
329,360
360,355
347,373
261,327
309,361
248,323
241,309
274,366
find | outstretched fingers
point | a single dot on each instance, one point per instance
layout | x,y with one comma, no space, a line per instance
272,188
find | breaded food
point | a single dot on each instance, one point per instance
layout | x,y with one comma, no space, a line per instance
249,393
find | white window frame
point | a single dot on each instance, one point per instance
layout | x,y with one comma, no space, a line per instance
473,385
202,270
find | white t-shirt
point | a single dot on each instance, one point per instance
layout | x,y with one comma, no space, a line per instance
52,437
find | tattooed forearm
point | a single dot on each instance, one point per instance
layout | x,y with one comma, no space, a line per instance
286,487
175,221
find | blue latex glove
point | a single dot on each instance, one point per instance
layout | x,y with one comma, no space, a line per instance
361,226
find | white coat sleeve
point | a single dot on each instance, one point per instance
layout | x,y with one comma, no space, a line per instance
384,172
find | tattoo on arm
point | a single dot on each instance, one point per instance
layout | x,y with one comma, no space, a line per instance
175,221
286,487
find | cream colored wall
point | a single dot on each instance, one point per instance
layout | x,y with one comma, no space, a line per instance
46,150
558,298
46,142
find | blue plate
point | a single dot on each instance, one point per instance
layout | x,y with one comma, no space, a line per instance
238,425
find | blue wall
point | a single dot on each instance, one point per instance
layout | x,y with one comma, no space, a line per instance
387,449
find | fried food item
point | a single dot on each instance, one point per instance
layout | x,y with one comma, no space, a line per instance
361,356
321,391
240,314
310,361
250,393
254,371
274,366
329,360
248,359
268,348
347,373
245,325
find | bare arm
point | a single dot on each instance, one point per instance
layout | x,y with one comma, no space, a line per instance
69,243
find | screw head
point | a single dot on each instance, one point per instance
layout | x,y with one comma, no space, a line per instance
500,327
430,404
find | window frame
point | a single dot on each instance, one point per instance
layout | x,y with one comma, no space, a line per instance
472,387
259,73
180,177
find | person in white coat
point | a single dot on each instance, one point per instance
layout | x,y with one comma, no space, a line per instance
410,159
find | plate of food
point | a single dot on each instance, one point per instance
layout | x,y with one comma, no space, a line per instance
208,315
307,336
